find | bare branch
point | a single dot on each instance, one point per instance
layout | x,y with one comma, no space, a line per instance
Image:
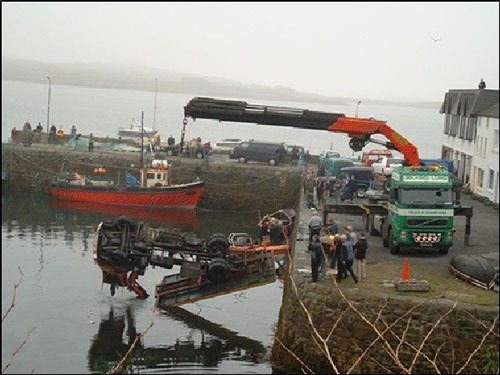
12,304
493,325
402,339
429,334
380,335
335,325
119,366
293,355
14,353
326,349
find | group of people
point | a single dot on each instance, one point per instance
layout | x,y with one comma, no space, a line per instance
194,146
341,251
272,231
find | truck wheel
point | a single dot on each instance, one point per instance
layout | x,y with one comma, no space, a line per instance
387,185
361,192
218,245
393,248
444,250
218,270
199,155
170,153
371,226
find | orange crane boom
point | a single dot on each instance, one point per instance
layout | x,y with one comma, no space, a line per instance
359,129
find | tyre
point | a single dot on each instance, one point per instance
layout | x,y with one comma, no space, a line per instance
393,248
272,162
361,192
199,154
170,153
218,245
444,250
124,221
218,270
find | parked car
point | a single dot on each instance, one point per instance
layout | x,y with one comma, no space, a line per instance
333,166
323,157
270,152
363,175
386,165
374,156
226,145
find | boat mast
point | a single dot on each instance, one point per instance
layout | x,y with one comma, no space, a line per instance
156,93
142,139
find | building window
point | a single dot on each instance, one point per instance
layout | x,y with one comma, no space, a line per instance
485,147
447,121
479,181
491,179
471,128
462,127
495,140
454,125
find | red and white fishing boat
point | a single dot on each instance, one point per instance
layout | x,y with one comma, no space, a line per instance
155,189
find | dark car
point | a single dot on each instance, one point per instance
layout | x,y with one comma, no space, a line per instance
363,175
270,152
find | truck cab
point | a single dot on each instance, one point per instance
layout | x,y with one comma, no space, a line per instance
420,210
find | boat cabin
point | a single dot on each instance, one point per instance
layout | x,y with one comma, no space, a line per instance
158,175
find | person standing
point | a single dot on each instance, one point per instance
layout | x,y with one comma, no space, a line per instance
345,259
13,135
52,135
315,250
315,224
91,143
360,255
73,131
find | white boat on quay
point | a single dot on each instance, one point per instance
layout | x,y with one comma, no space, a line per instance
134,130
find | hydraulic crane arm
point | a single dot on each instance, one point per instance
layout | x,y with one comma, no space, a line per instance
358,129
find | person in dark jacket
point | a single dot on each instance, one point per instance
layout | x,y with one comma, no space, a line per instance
345,259
360,255
315,250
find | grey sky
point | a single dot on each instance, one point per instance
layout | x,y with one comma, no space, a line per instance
359,50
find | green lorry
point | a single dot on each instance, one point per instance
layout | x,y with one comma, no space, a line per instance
420,210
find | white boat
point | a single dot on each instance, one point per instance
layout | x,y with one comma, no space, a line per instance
135,131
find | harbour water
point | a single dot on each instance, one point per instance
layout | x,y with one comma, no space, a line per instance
77,325
80,328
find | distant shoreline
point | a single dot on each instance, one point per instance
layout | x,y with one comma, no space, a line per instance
139,78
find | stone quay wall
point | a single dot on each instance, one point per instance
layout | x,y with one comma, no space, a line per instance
454,337
229,185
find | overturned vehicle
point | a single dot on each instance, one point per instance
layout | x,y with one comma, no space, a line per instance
220,264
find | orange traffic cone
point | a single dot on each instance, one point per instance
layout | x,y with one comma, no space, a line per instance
405,273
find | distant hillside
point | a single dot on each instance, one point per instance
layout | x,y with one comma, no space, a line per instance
141,78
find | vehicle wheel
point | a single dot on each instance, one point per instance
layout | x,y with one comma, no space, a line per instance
199,155
272,162
123,221
444,250
218,270
361,192
387,185
170,153
218,245
393,248
371,227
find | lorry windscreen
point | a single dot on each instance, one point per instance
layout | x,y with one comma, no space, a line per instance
425,196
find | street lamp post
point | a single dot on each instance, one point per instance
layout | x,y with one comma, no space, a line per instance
357,105
48,105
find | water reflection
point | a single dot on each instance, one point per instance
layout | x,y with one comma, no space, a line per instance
215,343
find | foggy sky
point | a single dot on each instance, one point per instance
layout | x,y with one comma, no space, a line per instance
358,50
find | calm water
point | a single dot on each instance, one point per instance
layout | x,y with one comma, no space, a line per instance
80,327
103,111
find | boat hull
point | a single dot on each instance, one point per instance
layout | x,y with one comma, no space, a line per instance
185,195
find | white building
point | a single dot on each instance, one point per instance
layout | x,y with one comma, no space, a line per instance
471,127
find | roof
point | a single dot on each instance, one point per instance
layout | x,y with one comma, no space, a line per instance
468,103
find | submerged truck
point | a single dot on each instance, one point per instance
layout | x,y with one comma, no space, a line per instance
420,210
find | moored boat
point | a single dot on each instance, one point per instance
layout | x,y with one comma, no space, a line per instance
136,130
154,189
